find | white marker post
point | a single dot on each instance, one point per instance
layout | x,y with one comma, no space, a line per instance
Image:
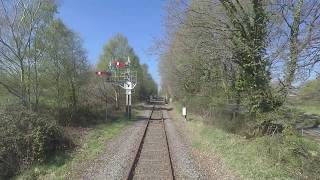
184,113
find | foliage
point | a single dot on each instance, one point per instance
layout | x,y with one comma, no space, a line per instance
275,157
148,85
309,109
21,23
248,40
222,53
310,91
118,49
67,66
235,64
43,70
62,165
307,98
27,138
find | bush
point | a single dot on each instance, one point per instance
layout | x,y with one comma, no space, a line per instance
86,117
229,117
299,156
81,117
27,138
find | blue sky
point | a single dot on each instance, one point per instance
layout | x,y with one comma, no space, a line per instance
96,21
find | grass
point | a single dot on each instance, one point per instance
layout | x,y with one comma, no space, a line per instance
260,158
5,99
63,164
267,157
309,109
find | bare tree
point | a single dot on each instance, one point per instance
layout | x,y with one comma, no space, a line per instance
20,21
295,38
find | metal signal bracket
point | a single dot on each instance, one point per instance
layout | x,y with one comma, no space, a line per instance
120,74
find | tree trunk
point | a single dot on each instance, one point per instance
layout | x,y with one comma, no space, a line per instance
116,98
293,60
106,109
23,84
36,90
29,85
117,101
74,75
74,96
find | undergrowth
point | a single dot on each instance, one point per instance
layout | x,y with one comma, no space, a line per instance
267,157
61,165
280,155
27,138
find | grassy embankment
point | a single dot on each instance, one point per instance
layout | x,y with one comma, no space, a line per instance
268,157
309,109
63,164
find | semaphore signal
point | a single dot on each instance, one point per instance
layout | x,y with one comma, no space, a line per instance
119,64
120,74
103,73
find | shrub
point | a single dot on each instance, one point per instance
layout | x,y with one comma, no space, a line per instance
229,117
27,138
299,156
84,116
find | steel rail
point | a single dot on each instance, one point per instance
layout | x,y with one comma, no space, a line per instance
133,166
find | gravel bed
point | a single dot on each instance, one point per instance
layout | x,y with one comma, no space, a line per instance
189,162
115,162
183,163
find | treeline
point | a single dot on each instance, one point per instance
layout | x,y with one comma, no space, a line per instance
43,73
43,62
310,92
236,63
46,83
239,55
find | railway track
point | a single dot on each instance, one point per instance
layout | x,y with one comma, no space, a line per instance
152,159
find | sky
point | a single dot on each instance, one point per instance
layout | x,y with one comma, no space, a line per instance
96,21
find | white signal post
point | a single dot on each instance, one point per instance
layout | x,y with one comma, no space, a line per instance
129,85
